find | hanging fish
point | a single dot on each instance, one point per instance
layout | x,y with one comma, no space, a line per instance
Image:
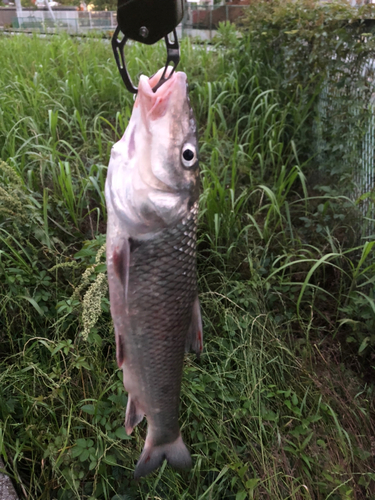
152,193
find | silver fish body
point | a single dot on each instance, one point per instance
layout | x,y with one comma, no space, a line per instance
152,201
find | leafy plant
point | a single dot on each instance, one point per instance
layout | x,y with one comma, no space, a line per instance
281,403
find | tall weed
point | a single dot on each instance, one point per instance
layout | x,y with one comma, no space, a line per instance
277,408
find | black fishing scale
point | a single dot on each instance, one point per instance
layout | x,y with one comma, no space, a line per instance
147,21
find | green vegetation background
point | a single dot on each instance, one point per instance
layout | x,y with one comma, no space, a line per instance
281,404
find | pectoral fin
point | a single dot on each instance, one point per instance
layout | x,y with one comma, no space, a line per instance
133,416
118,277
121,261
120,349
194,339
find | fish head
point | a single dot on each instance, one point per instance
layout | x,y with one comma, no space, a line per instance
154,167
168,135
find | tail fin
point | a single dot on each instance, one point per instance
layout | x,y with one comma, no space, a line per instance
152,457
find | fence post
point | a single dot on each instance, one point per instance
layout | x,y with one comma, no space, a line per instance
210,23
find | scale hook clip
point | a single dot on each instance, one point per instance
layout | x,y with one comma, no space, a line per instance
173,57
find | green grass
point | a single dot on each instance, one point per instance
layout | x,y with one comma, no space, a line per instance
281,404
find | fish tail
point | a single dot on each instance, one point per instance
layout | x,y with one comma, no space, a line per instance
152,457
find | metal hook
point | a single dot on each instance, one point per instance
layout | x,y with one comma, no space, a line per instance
173,56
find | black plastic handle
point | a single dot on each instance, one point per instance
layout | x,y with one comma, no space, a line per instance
147,21
173,58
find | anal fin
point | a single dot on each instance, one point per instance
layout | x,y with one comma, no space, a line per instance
194,339
133,416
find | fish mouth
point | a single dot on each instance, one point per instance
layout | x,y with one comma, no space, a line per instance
155,105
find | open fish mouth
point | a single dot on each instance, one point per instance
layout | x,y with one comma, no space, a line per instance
155,105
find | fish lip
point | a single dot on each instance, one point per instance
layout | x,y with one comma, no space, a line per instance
155,104
155,78
170,81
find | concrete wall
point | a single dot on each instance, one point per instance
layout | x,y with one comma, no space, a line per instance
7,14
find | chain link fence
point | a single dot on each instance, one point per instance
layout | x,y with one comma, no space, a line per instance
69,20
365,178
355,147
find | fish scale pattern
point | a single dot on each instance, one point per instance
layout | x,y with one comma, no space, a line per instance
161,293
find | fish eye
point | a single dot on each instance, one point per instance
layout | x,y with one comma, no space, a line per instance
188,155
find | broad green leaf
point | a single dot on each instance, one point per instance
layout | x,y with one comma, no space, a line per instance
241,495
295,399
90,409
363,345
251,484
76,451
84,455
110,460
121,433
